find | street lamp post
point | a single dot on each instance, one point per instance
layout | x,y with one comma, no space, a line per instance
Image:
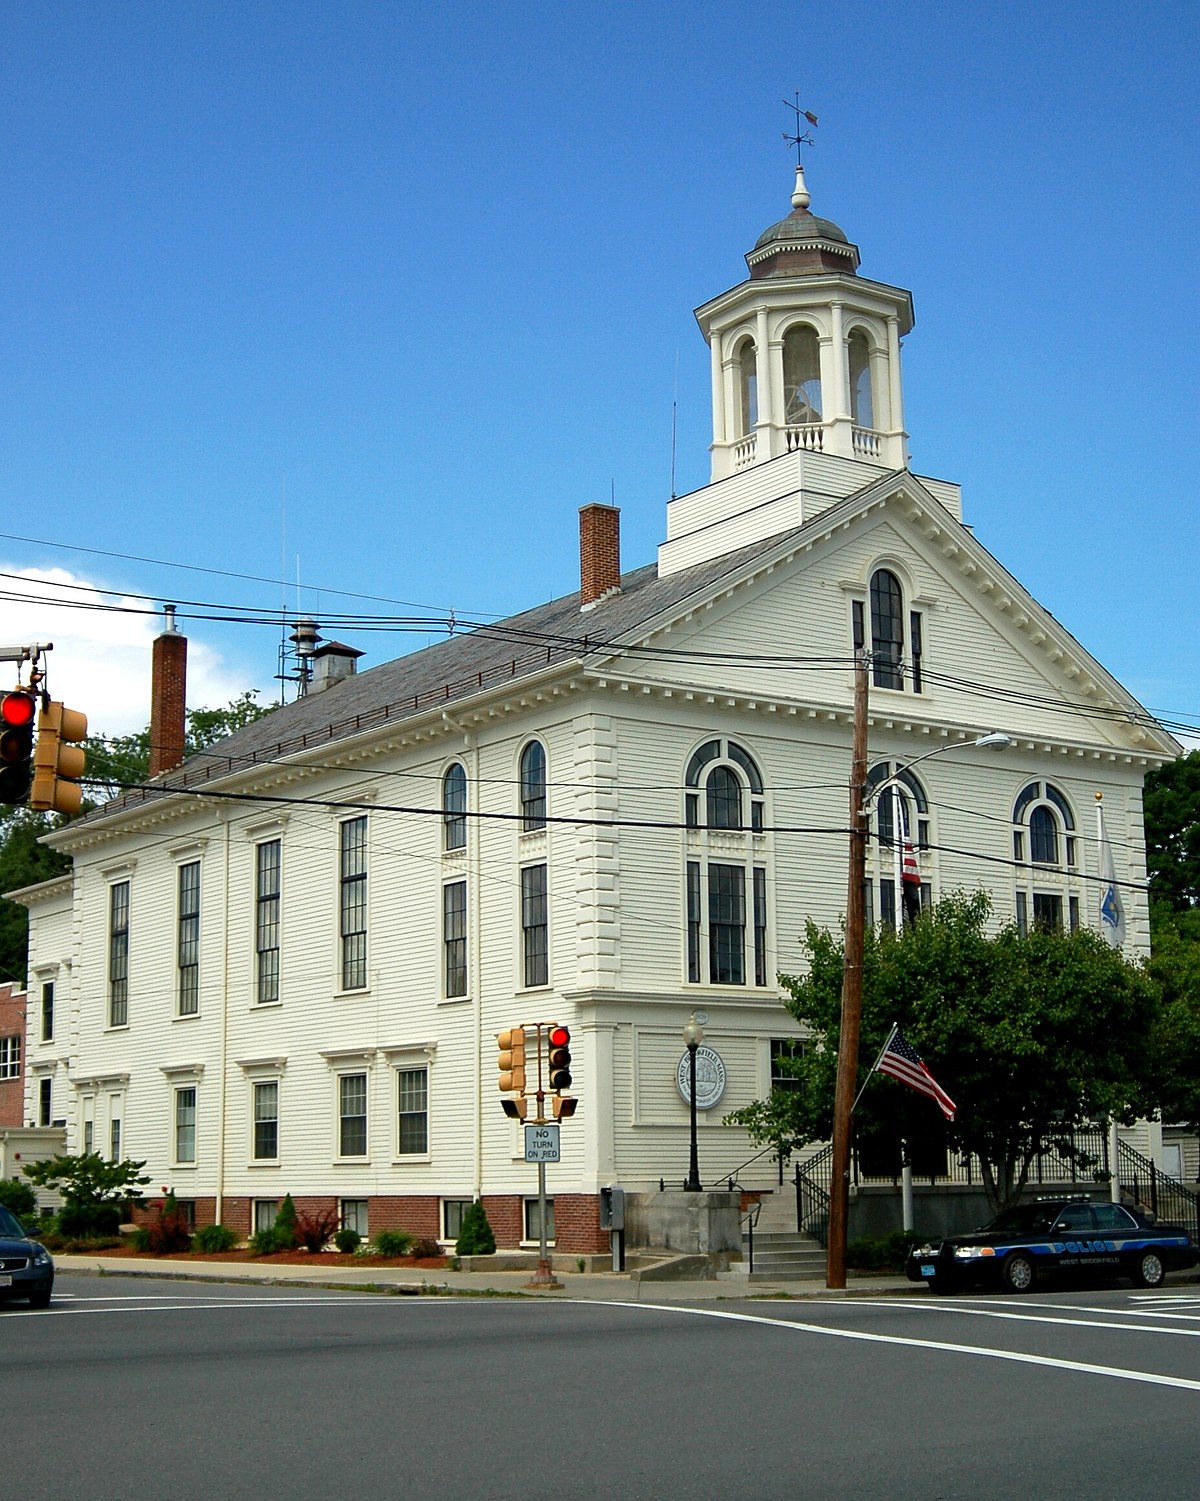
852,964
693,1036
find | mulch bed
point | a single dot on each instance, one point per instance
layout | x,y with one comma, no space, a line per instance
317,1260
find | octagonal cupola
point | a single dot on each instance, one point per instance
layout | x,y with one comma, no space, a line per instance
806,353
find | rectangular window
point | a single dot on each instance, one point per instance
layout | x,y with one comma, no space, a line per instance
914,638
887,902
118,954
185,1124
266,922
48,1011
454,936
783,1051
189,938
726,924
452,1217
354,1215
114,1138
89,1130
352,1115
412,1087
533,1219
1047,911
187,1208
266,1121
265,1212
1022,914
10,1057
760,925
1073,909
354,903
534,926
693,920
45,1101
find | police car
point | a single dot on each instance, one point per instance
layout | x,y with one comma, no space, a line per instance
1063,1237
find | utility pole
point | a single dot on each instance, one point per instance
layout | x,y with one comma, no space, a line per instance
852,989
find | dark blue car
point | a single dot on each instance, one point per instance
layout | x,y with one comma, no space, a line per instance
1059,1237
26,1270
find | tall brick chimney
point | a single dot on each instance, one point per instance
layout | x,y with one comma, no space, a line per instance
168,696
599,553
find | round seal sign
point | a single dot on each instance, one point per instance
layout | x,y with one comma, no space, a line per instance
710,1078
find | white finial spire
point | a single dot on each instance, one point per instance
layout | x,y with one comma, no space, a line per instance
801,197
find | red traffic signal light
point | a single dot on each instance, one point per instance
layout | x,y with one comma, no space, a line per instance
58,762
17,713
511,1060
558,1058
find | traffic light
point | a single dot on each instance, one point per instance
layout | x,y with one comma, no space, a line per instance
58,761
563,1106
512,1060
17,713
516,1109
558,1058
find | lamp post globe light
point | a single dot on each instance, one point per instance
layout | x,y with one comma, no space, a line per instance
852,950
693,1036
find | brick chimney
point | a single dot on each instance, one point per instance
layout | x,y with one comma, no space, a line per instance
168,696
599,553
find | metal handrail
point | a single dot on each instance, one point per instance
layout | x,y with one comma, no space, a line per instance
1162,1191
750,1220
732,1177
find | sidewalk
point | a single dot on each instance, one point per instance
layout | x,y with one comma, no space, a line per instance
609,1287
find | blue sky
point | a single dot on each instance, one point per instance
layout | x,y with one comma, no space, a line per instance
377,295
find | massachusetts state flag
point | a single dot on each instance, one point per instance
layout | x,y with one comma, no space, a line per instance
1112,919
900,1059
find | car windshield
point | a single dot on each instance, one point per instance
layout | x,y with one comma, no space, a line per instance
8,1225
1025,1219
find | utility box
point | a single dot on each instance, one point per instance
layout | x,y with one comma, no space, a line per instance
612,1208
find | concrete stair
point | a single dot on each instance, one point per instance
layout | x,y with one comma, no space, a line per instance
780,1254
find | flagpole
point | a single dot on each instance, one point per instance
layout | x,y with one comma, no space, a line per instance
875,1065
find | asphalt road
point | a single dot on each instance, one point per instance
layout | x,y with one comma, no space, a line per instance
126,1388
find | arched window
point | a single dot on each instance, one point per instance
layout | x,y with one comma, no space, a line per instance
887,629
533,787
726,890
454,807
862,405
801,375
747,373
1044,843
900,812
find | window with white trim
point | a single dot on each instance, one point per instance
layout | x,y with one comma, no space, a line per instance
10,1057
118,954
265,1141
454,808
896,634
901,812
454,938
1045,852
535,926
352,1115
353,1213
533,787
47,1032
188,948
267,863
185,1124
453,1211
353,902
45,1100
802,375
412,1110
533,1220
725,885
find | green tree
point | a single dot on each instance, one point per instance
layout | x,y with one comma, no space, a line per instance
1175,967
93,1189
1171,801
1028,1035
23,862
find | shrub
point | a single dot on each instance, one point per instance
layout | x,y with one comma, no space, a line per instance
475,1238
347,1241
392,1243
267,1242
167,1230
879,1253
214,1239
315,1231
89,1221
19,1199
425,1247
285,1223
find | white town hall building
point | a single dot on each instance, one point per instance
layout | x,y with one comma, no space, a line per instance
284,968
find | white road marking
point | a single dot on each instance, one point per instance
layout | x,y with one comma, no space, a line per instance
1029,1317
1119,1373
1120,1310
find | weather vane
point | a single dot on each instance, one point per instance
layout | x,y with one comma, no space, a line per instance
802,137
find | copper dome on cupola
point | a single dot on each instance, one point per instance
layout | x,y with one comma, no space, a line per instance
802,244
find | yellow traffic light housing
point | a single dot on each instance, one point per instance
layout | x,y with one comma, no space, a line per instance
58,760
511,1060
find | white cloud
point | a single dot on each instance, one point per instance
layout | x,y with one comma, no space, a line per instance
101,658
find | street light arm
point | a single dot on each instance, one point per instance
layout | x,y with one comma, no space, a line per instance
994,740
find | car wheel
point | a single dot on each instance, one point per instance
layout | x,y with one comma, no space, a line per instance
1019,1273
40,1300
1149,1271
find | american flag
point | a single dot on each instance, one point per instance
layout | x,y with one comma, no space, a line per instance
900,1059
